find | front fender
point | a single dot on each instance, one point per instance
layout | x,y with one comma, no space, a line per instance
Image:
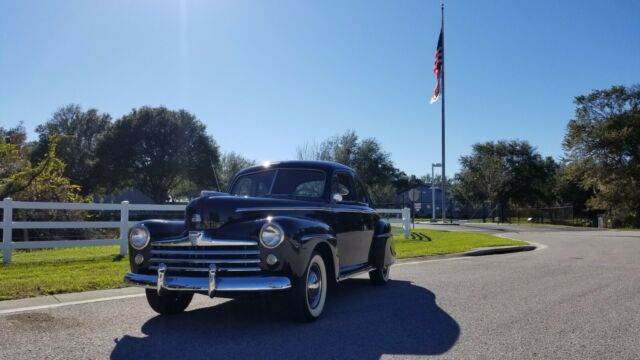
162,229
158,230
302,237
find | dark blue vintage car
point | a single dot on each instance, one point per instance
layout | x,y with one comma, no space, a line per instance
292,226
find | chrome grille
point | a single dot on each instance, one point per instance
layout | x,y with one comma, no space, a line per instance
228,255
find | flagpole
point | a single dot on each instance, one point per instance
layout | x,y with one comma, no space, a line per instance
444,178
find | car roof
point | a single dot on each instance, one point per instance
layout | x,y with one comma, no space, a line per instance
326,166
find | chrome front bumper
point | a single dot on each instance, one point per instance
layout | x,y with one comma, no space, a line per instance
210,284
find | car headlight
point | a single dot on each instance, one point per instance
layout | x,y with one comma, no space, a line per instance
139,237
271,235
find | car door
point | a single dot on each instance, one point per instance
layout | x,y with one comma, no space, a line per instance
367,220
350,223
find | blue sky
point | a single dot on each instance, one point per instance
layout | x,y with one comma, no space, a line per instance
267,76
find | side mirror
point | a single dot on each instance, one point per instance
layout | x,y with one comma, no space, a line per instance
337,197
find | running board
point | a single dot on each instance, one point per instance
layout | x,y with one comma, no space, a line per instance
358,271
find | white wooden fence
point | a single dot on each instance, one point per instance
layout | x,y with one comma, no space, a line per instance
404,220
124,224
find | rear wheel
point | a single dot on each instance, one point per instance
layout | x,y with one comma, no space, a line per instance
309,293
380,276
170,302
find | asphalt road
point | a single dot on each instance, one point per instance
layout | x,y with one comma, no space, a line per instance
578,298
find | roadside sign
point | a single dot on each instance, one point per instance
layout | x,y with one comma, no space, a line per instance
417,206
414,194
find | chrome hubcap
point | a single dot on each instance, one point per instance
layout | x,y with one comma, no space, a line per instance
314,286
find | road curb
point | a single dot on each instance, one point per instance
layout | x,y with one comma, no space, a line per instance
437,223
500,250
476,252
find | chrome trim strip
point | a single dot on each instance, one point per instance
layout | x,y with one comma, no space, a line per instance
201,284
205,261
212,280
239,269
308,208
205,269
204,241
204,252
384,235
162,268
317,236
273,181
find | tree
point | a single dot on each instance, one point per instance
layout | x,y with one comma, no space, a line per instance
79,133
230,164
43,182
366,157
402,181
603,150
505,172
156,149
13,157
568,190
480,179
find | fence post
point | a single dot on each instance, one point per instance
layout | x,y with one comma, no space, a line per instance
124,227
406,223
7,231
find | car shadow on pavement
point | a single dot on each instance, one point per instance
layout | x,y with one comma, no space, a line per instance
361,321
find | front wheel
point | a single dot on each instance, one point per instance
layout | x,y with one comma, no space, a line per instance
170,302
380,276
309,293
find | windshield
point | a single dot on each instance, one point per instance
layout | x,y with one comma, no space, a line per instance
281,182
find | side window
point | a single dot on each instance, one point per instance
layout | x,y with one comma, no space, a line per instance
343,184
361,194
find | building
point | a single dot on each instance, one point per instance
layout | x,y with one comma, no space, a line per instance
422,204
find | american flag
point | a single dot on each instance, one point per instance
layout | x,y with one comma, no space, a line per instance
437,67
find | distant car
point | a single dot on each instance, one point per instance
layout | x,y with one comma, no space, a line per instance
291,227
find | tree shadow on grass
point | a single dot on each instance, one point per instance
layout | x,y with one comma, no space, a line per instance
420,236
361,321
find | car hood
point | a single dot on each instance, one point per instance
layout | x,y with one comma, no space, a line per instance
218,211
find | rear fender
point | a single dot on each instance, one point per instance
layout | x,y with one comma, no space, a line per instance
382,251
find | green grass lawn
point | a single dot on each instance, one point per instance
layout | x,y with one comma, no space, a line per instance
55,271
440,242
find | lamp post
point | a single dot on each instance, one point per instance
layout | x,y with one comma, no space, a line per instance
433,192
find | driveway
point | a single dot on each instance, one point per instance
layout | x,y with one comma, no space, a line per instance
578,298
